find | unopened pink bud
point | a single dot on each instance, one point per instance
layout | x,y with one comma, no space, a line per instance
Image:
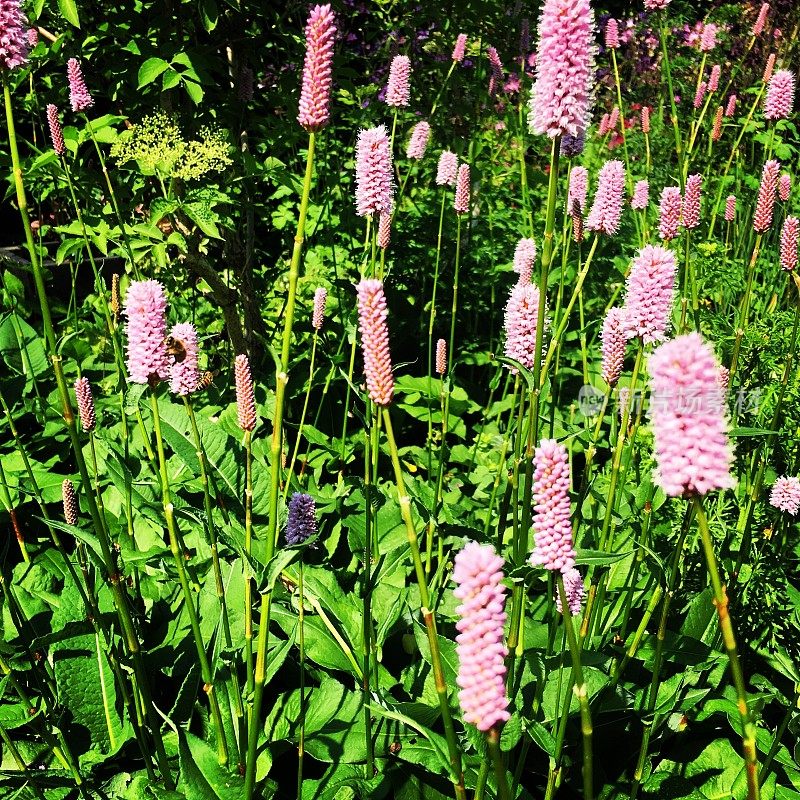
613,120
460,49
495,71
613,341
461,201
384,230
716,128
730,208
441,357
56,134
245,393
730,109
700,94
790,236
669,212
785,187
645,119
761,20
691,202
713,81
70,502
315,96
372,314
83,394
765,203
578,190
770,65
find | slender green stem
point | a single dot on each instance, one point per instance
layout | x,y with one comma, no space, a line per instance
301,742
299,438
176,548
673,109
451,353
493,742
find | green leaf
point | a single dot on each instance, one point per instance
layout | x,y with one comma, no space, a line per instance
598,558
69,11
150,70
201,776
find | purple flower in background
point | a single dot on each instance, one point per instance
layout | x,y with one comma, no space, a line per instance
13,35
301,522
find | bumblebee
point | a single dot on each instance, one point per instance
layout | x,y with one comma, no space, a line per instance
176,348
206,379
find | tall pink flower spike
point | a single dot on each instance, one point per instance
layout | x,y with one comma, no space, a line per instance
645,119
245,393
460,49
315,95
184,373
398,90
79,96
447,169
419,140
612,34
790,237
613,341
578,189
318,315
765,202
372,314
606,210
708,41
522,313
478,574
669,212
574,590
552,524
641,196
779,102
83,395
374,177
524,258
785,495
146,313
441,357
688,416
730,208
785,187
562,94
713,81
761,20
461,200
691,202
649,292
56,133
730,108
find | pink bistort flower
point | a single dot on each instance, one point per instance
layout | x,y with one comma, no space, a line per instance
374,179
691,202
315,95
641,196
372,314
83,394
460,48
613,341
713,81
649,292
14,43
562,94
461,199
552,524
578,190
384,230
669,212
573,589
612,34
447,169
779,102
708,41
761,20
730,108
184,374
419,140
790,236
645,119
700,94
730,208
785,495
56,134
79,96
318,314
70,502
607,207
765,202
495,70
768,67
398,90
784,187
245,393
478,573
687,412
146,312
522,313
524,258
716,128
441,357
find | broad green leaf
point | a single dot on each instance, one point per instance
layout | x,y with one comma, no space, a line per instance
69,11
150,70
201,776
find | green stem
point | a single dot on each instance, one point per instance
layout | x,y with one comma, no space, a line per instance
493,742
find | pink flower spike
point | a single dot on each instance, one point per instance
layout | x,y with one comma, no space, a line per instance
669,212
761,20
605,125
374,178
83,394
33,37
700,94
384,230
460,49
713,81
146,312
56,134
578,189
641,196
649,292
613,341
398,90
447,169
691,202
245,393
573,589
770,65
785,187
315,95
79,96
419,141
785,495
790,236
612,34
552,524
716,128
524,258
70,502
184,374
562,94
613,119
730,109
318,315
461,200
608,199
478,574
779,102
441,357
14,44
656,5
708,41
730,208
372,313
645,119
496,70
687,412
723,378
765,203
522,314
